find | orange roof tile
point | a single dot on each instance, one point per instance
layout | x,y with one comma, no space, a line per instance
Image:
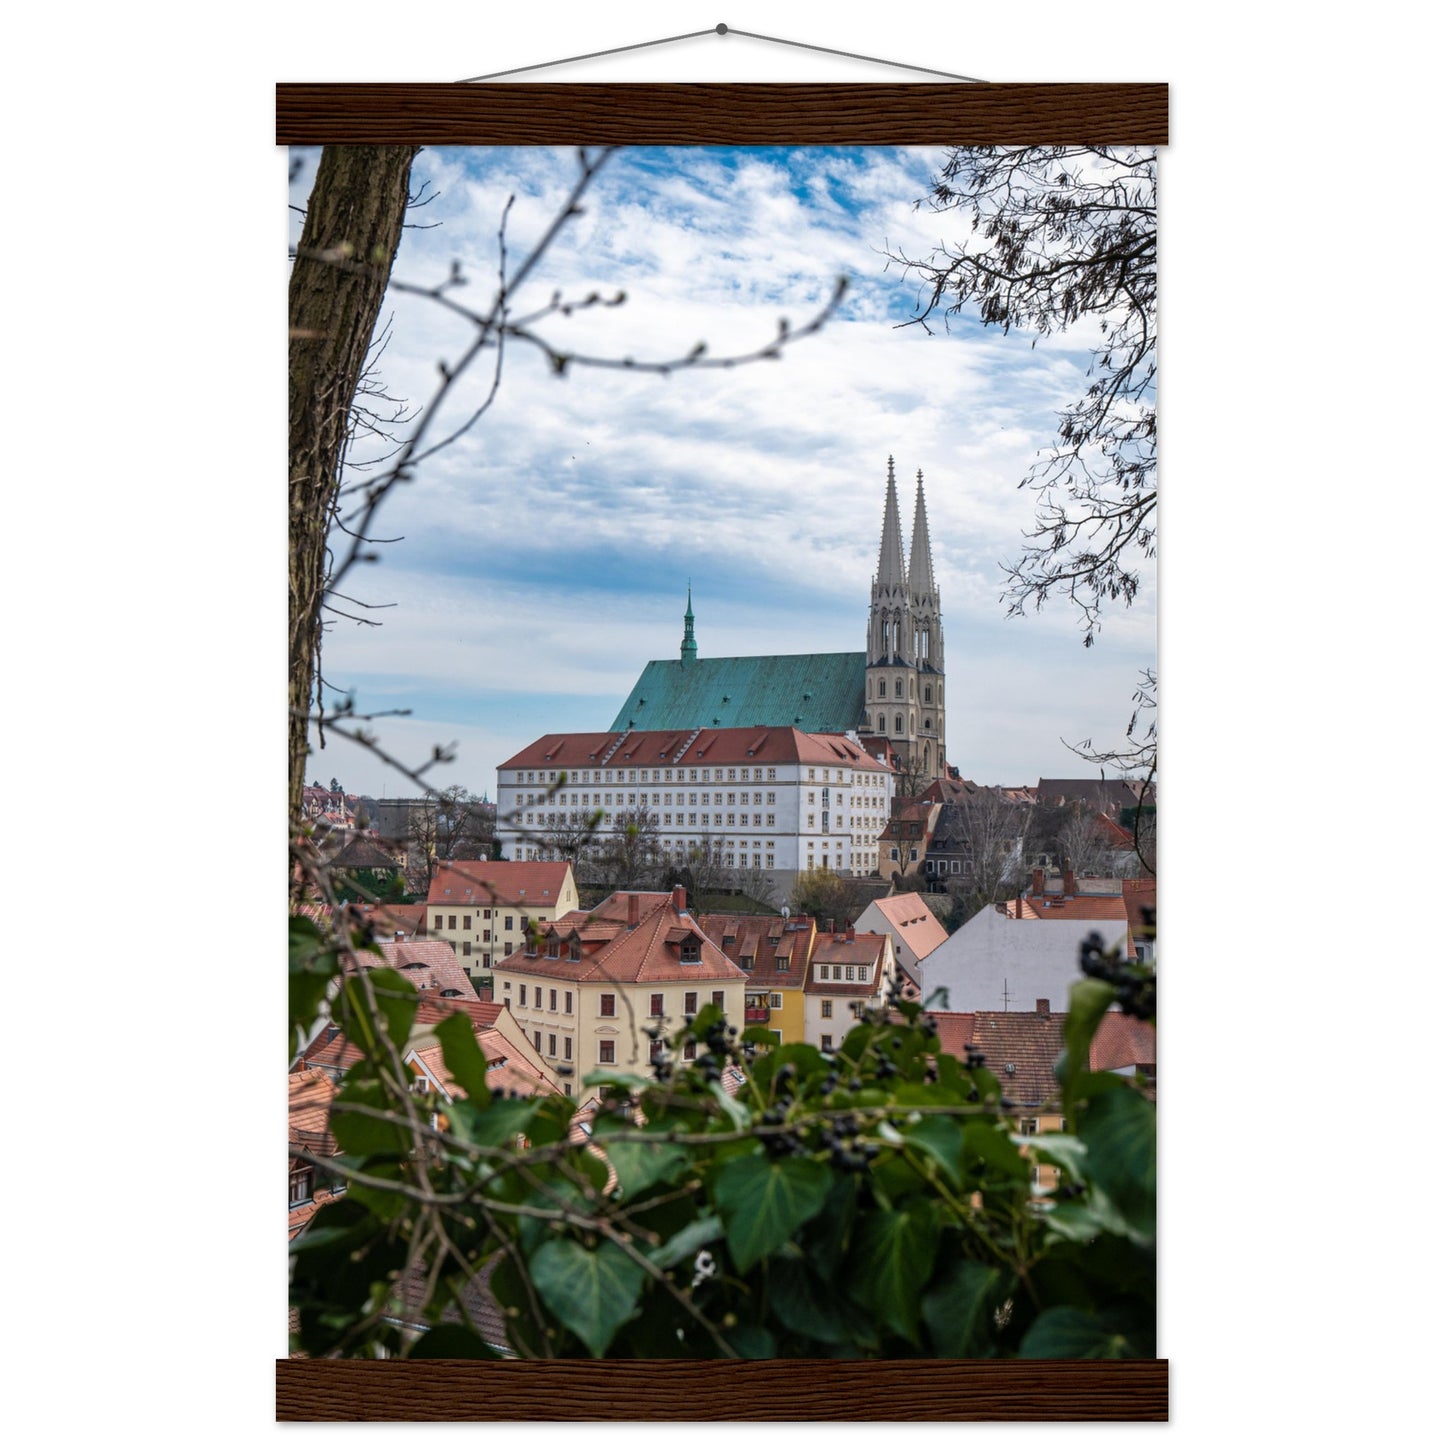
570,752
489,883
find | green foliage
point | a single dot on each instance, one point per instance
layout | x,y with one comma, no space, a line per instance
878,1202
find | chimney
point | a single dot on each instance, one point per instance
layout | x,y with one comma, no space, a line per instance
1069,889
1041,1006
679,898
633,910
830,928
1038,882
851,934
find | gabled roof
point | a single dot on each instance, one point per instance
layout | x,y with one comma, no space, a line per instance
917,924
687,747
1030,1042
818,692
308,1111
1109,794
488,884
1078,906
632,954
764,938
1123,1042
359,851
955,1031
388,919
503,1071
427,963
867,950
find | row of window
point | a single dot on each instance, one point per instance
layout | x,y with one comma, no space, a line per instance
898,723
508,922
898,688
843,972
668,775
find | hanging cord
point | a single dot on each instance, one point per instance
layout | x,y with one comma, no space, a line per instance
722,30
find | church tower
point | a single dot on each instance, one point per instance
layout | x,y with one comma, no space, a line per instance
904,687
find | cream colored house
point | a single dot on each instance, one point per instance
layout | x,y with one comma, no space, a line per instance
587,988
850,972
486,910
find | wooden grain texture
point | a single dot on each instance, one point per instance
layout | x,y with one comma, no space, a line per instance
898,1390
742,114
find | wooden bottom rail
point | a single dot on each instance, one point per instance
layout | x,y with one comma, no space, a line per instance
535,1391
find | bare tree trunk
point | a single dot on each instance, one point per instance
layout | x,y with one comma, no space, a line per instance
353,224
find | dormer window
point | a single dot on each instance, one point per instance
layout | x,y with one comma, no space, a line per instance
690,951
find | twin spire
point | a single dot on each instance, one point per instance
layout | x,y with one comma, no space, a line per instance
891,571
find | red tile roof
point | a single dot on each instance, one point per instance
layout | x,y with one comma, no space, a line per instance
625,954
764,939
915,921
1029,1042
1123,1042
427,964
865,949
503,1071
755,745
955,1032
1079,906
487,883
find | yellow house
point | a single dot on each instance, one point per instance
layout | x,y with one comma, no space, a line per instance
773,952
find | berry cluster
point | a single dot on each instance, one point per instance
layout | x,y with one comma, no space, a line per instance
1134,984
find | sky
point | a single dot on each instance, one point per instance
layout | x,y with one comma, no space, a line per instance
544,557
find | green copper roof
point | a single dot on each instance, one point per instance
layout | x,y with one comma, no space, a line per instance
816,692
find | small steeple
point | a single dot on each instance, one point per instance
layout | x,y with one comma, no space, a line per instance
890,553
689,642
920,554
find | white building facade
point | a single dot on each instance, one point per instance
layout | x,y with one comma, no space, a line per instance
774,799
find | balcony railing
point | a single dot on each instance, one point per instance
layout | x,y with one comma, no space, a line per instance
756,1015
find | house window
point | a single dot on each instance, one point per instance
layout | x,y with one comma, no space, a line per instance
655,1050
507,952
466,950
655,1011
827,1044
552,1000
717,997
507,926
689,1049
775,1000
746,961
607,1051
451,920
301,1186
466,920
607,1005
552,1045
689,1003
523,998
827,1008
438,923
567,1002
691,951
783,962
567,1046
537,1040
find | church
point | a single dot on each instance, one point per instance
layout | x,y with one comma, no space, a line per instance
891,693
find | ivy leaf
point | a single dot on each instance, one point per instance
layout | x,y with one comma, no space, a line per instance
687,1241
892,1258
1089,1001
808,1307
465,1061
959,1311
765,1201
639,1164
942,1140
591,1291
1119,1130
1063,1333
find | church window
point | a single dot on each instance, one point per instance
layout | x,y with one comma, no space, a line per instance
898,687
898,723
928,724
882,723
927,694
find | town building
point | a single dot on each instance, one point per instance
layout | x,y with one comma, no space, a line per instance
891,694
601,990
770,798
774,952
910,922
485,909
904,842
850,973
